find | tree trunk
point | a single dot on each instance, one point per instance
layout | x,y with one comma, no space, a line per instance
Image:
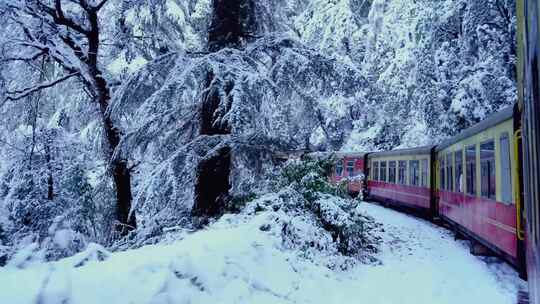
48,159
118,166
228,29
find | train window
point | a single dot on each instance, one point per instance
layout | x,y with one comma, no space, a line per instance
470,158
402,172
424,172
376,170
383,171
339,168
442,185
458,157
506,172
414,172
392,171
350,167
487,169
449,172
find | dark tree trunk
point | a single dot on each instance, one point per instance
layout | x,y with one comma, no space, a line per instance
119,168
213,184
50,180
228,29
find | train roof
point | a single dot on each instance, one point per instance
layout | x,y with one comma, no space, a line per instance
487,123
409,151
350,154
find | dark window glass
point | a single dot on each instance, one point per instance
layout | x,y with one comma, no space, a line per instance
402,172
376,171
424,172
442,184
470,158
506,171
449,172
392,172
339,168
414,172
487,169
350,167
459,171
383,171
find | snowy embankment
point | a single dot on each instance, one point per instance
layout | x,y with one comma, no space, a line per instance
242,259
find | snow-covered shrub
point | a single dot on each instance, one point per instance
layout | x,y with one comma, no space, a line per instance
309,176
316,218
330,230
57,226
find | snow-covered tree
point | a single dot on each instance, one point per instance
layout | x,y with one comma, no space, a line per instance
70,33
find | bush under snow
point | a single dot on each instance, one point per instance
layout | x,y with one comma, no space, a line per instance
316,217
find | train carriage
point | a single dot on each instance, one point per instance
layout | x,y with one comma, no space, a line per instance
402,177
476,183
528,69
349,166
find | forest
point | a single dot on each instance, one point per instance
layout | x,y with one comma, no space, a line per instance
124,120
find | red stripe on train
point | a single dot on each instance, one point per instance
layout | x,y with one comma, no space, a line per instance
491,220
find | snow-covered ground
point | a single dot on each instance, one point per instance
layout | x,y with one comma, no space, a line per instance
235,261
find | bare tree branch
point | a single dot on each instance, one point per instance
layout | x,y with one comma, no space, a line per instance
100,5
21,58
19,94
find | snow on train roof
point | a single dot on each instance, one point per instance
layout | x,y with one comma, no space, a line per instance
487,123
350,154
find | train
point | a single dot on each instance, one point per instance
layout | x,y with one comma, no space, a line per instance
483,183
470,182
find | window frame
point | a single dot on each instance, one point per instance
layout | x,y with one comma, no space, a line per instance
450,171
375,170
459,185
383,174
414,172
442,173
424,172
470,177
506,183
402,175
350,165
488,164
339,167
392,166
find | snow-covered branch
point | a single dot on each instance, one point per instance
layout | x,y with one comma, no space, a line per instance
22,93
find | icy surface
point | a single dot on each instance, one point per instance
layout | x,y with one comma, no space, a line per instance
235,260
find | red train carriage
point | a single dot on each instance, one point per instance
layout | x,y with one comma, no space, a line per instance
350,166
476,184
402,177
472,181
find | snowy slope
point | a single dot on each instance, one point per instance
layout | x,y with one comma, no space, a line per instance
234,261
